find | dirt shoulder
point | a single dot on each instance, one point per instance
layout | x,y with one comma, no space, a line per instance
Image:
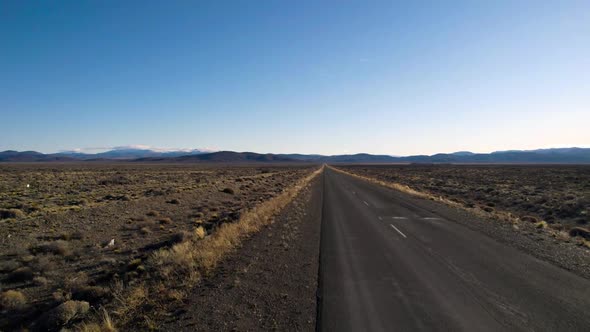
269,283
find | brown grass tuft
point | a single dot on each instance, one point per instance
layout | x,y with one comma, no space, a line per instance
200,232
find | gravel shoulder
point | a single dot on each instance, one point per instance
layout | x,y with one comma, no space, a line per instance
269,283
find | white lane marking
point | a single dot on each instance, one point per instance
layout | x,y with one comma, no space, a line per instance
399,217
431,218
404,235
367,204
380,218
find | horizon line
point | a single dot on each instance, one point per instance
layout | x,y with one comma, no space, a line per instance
210,150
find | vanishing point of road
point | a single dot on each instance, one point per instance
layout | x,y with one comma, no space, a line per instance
390,263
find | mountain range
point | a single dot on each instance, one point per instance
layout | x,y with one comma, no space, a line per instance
557,156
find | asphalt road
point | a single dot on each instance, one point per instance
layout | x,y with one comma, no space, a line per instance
388,263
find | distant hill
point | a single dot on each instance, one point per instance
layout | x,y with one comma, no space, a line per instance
129,154
30,156
224,157
360,158
553,156
556,156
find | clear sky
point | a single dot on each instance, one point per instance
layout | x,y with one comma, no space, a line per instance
390,77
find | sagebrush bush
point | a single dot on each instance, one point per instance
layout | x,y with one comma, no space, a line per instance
165,221
11,213
58,247
21,274
13,300
580,231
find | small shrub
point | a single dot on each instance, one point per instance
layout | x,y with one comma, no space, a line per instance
110,197
44,264
59,247
21,274
145,231
92,294
115,180
11,213
40,281
488,209
63,314
134,264
228,191
165,221
581,232
13,300
153,213
541,224
71,236
530,219
173,201
81,201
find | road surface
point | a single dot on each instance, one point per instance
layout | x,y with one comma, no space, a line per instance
388,263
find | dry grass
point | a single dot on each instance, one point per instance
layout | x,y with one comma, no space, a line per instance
105,324
176,269
200,232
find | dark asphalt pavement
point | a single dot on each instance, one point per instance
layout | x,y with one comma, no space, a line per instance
390,264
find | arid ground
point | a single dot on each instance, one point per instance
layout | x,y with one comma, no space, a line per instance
69,233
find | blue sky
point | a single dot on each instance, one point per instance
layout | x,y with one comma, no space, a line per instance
412,77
